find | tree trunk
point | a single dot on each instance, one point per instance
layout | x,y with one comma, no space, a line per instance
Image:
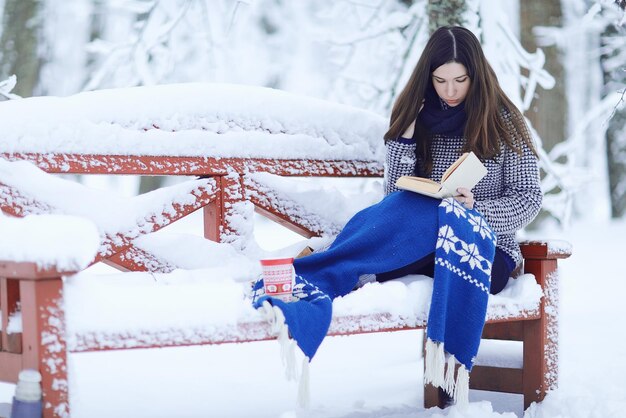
444,13
19,55
150,183
548,113
614,79
616,162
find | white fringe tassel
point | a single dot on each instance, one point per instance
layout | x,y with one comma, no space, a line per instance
288,353
304,387
440,373
448,384
287,346
461,390
434,364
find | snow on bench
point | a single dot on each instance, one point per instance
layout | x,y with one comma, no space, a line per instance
207,306
26,190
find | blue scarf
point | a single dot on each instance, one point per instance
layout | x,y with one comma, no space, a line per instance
400,229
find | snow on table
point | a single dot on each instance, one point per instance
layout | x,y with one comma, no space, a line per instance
67,243
111,213
192,119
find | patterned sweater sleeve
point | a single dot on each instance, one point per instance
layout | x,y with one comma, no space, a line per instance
399,161
521,199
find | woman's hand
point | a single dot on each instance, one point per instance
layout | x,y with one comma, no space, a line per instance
466,197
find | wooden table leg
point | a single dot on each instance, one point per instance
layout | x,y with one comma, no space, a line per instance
44,346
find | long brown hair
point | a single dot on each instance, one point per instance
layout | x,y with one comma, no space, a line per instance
485,103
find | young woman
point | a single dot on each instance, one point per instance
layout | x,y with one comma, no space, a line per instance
453,103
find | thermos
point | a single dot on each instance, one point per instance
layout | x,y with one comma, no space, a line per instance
27,400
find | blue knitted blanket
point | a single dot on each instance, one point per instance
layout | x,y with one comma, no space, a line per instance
399,230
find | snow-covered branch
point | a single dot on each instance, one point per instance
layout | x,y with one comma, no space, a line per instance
533,62
372,47
6,86
163,39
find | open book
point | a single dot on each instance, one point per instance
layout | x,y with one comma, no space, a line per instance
464,172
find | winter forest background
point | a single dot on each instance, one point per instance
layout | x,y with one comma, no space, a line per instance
563,62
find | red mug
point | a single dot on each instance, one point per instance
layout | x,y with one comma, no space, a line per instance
278,277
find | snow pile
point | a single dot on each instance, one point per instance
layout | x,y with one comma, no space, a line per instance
194,119
182,299
317,196
520,294
65,242
405,297
556,246
193,252
410,296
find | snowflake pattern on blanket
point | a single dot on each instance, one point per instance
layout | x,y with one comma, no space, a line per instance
464,254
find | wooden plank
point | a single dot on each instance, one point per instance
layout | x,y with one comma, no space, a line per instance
30,270
136,259
4,311
15,203
114,246
284,221
512,331
541,356
286,212
154,221
254,330
235,218
14,343
518,316
213,213
541,250
10,292
195,165
496,379
10,366
44,341
434,397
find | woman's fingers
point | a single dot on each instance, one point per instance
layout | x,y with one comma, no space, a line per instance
466,197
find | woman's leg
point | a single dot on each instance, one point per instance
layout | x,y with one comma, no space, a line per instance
425,266
395,232
503,266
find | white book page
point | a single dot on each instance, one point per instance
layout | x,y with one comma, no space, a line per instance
467,175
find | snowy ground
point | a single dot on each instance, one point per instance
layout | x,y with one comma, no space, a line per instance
369,376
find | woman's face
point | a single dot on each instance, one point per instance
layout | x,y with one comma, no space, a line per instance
451,82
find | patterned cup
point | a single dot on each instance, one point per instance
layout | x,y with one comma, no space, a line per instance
278,277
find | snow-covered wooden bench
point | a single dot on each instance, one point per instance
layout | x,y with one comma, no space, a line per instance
237,141
521,314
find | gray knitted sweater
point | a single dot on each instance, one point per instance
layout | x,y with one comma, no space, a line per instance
509,196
